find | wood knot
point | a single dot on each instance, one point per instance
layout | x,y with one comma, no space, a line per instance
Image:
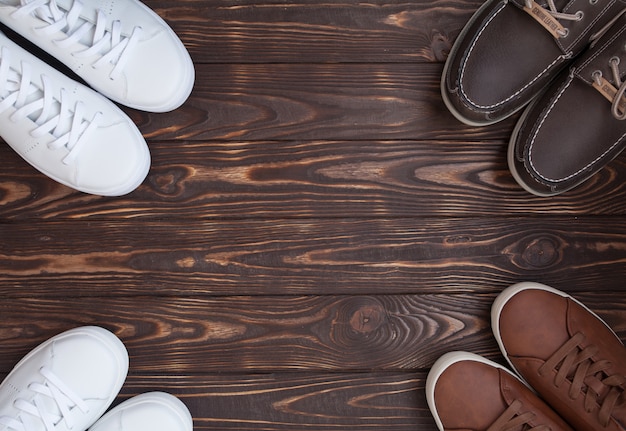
440,45
362,324
168,181
541,252
367,318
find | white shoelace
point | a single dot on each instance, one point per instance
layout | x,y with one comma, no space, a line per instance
112,47
57,117
37,411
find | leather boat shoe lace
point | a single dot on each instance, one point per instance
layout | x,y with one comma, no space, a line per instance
511,49
576,127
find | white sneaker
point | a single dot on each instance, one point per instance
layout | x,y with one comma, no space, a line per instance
65,384
66,130
121,48
152,411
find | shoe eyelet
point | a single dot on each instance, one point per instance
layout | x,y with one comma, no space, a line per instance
593,2
596,75
580,15
565,33
615,60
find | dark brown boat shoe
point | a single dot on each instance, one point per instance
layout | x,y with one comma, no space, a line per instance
565,352
511,49
578,125
468,392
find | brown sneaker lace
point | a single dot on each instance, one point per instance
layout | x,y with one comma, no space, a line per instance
587,376
549,17
512,419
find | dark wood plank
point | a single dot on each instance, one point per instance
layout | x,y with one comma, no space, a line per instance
332,256
261,334
335,256
316,228
295,401
314,101
242,334
309,31
298,401
304,179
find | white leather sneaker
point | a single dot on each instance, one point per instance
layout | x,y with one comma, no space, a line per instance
66,130
66,383
121,48
152,411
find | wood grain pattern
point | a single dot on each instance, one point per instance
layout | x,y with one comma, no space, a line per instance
316,228
338,256
312,179
314,101
314,32
293,401
265,334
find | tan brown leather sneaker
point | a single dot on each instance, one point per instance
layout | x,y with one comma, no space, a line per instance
565,352
511,49
468,392
578,125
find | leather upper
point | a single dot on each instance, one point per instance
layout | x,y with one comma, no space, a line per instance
503,57
535,325
473,395
570,133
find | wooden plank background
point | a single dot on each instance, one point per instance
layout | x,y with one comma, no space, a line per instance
315,231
